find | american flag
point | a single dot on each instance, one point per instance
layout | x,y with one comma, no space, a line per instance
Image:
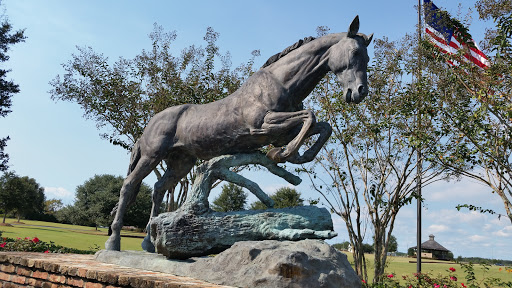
448,39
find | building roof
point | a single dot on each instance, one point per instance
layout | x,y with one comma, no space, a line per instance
431,244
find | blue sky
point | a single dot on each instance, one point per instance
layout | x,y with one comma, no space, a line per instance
54,144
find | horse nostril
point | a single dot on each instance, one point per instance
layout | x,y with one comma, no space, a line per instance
348,96
360,89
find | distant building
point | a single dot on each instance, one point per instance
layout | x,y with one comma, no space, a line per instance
432,249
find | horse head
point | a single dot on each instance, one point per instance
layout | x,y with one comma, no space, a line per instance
348,59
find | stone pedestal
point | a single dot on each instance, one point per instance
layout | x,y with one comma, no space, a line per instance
269,263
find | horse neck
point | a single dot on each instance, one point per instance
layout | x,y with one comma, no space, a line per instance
301,70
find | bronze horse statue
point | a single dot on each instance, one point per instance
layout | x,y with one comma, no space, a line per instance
266,109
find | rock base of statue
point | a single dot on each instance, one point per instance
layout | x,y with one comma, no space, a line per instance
269,263
183,234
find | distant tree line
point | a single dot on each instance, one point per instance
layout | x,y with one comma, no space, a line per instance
234,198
95,199
368,248
479,260
21,197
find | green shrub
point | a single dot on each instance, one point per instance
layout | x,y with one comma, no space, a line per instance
442,281
36,245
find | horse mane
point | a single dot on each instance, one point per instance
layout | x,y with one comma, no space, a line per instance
287,50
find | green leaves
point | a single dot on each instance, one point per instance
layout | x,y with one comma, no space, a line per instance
7,88
283,197
96,198
122,96
232,198
21,194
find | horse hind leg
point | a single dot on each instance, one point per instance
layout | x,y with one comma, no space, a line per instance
128,192
278,123
324,130
178,165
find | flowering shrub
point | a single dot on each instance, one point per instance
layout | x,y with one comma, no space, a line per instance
36,245
441,281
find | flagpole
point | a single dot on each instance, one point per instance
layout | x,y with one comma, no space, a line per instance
419,160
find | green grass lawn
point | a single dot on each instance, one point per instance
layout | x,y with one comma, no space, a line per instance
401,266
72,236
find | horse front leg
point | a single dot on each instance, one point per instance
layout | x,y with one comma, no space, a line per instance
278,123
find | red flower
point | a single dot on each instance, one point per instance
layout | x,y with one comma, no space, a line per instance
363,281
35,240
47,251
453,278
463,285
3,244
452,269
390,276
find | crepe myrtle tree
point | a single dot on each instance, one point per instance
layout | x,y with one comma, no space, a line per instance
367,171
475,112
122,96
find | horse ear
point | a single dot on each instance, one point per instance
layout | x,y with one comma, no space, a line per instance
354,27
369,39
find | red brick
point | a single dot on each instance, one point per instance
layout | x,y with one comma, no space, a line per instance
40,275
71,271
91,274
93,285
8,268
55,285
32,282
124,280
82,272
18,279
56,278
107,277
77,282
11,285
23,271
5,276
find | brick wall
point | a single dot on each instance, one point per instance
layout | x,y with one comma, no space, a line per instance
24,269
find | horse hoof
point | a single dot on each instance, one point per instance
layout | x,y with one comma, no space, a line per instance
147,246
276,155
113,244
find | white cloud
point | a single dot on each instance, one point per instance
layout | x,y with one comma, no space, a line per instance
271,189
456,190
59,193
452,216
478,238
505,232
438,228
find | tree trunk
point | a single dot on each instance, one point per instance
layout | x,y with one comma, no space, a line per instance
184,233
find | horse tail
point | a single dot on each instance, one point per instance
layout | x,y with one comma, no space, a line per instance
134,159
